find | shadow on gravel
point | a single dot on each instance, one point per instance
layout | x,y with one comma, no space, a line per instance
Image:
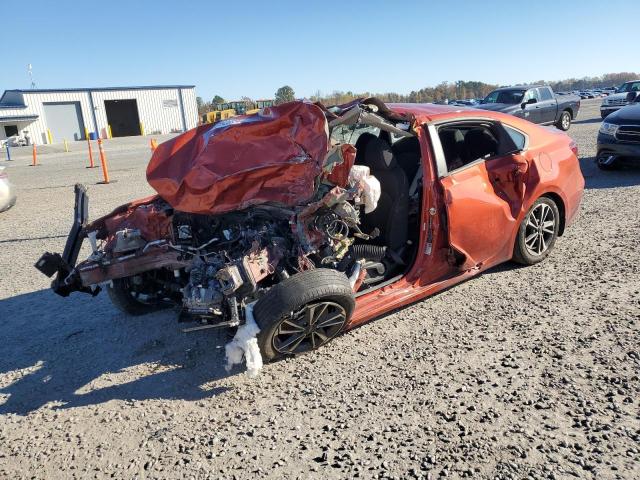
587,121
80,351
625,175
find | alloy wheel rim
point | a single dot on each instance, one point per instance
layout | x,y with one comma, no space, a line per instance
565,120
539,229
309,328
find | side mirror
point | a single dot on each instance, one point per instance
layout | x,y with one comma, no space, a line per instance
528,102
631,96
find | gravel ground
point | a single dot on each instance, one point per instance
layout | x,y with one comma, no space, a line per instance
520,373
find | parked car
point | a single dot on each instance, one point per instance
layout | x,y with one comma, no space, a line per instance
470,102
618,99
311,231
15,141
538,104
7,192
619,135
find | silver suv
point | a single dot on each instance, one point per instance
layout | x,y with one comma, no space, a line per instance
618,100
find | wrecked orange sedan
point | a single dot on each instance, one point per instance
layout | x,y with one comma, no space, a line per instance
301,222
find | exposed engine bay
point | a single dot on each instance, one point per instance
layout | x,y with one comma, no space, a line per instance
213,265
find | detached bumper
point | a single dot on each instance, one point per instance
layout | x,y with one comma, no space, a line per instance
63,266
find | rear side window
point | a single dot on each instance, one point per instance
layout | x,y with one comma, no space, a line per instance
518,138
545,93
468,142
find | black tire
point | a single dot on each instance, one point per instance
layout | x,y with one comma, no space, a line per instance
122,297
564,122
287,302
524,251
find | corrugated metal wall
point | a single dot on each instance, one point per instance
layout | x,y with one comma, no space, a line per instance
34,101
190,107
160,110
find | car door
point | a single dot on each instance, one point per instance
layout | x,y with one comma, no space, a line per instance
531,111
547,105
482,200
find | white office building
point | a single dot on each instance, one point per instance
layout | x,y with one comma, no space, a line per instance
54,115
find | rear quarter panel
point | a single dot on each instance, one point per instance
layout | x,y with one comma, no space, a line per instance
554,169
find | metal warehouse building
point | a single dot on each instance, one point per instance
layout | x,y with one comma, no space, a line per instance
52,116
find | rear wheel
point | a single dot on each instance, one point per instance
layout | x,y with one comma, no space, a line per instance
303,312
565,121
538,232
129,296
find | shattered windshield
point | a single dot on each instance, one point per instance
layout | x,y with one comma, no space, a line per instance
510,97
351,133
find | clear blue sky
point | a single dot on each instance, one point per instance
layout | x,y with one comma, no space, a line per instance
241,47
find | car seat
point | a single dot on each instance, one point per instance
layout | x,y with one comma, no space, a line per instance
453,146
479,143
391,214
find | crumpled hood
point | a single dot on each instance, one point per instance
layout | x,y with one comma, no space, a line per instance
272,156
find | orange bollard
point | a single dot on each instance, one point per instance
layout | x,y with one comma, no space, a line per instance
91,164
154,144
103,162
34,162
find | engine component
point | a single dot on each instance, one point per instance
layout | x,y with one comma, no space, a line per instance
128,240
230,279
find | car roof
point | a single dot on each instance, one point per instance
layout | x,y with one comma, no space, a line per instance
519,87
429,112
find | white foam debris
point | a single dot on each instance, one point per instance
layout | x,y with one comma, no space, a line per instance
369,185
245,344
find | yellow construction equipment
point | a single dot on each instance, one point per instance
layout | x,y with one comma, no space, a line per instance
217,115
231,109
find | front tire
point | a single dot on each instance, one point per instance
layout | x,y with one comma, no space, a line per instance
564,122
129,300
537,233
303,312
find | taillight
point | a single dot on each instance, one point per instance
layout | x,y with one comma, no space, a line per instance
574,148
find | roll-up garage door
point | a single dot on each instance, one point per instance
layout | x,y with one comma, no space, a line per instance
64,119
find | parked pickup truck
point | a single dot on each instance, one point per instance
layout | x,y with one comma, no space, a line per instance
618,99
536,103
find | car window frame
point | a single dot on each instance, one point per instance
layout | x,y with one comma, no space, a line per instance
526,138
438,152
548,90
535,93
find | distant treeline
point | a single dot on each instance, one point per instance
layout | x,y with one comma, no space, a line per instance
443,91
606,80
466,89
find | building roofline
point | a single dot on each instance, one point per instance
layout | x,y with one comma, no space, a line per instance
98,89
88,89
18,118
